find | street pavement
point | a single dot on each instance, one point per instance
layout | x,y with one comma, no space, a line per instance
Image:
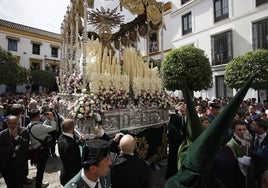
54,165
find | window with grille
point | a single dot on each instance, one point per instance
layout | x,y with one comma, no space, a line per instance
12,45
55,69
184,1
260,34
221,89
221,10
260,2
36,49
187,23
222,48
153,41
54,52
35,66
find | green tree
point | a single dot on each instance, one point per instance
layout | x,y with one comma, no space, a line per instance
43,78
11,73
239,70
186,64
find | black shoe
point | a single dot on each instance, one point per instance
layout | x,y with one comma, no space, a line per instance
28,181
45,185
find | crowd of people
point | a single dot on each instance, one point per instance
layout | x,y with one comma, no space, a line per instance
242,161
85,163
31,121
26,120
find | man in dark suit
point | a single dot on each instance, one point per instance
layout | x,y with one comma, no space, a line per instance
69,152
259,148
176,135
96,163
128,170
14,142
17,110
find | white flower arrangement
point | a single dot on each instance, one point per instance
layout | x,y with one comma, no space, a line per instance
146,84
88,104
156,99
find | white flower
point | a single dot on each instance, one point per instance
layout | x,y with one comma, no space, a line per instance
80,116
82,110
70,107
84,90
76,108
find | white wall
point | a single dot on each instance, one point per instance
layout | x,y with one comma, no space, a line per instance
24,51
242,14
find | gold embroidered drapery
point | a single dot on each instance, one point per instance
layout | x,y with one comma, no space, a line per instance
135,7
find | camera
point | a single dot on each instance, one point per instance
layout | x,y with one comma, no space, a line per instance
120,136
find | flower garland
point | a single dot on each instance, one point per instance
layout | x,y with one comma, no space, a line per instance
155,99
88,104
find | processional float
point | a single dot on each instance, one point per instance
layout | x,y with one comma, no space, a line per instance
103,72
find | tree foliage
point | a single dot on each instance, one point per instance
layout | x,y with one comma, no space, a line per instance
11,73
43,78
239,70
186,64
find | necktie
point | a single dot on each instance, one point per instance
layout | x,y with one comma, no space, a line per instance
183,121
97,185
13,141
257,141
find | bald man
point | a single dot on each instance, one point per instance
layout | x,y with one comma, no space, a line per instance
69,152
128,170
127,145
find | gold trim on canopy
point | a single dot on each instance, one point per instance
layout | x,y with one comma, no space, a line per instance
154,13
135,7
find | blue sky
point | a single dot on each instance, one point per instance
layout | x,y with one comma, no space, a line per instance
45,14
42,14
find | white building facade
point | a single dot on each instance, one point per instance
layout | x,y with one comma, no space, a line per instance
224,29
34,49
